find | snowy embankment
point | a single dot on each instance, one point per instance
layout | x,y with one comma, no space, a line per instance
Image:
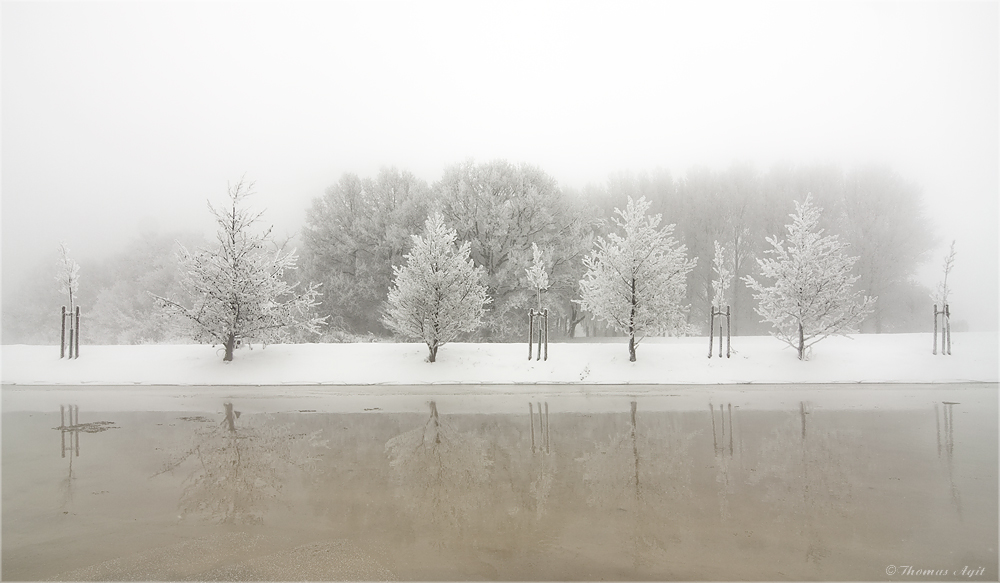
902,358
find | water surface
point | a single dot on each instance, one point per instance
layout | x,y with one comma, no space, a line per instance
828,483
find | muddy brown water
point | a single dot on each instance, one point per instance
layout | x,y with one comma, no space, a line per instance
782,483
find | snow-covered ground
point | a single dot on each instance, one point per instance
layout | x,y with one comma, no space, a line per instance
891,358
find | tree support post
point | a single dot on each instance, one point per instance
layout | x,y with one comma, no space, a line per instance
947,325
543,333
711,331
531,330
76,353
62,334
945,316
935,329
729,335
545,319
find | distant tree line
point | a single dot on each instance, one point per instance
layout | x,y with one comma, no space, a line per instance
360,229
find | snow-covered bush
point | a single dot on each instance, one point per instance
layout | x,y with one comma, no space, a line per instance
637,281
439,293
812,296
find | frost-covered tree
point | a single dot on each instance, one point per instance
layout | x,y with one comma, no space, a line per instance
723,276
239,289
812,296
941,294
538,277
500,208
352,237
637,281
68,276
439,293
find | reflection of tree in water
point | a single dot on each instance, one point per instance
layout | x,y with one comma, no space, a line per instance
728,472
462,490
949,449
646,474
236,471
441,473
808,476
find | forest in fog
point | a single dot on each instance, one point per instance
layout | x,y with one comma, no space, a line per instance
362,226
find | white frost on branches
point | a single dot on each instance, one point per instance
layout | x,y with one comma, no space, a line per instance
538,277
239,287
68,276
723,279
940,295
812,296
637,281
439,293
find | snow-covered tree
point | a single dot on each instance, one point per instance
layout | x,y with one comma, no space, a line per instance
538,277
352,237
637,281
812,296
239,287
68,276
439,293
941,294
723,277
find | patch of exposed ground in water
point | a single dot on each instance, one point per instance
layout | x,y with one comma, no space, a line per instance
92,427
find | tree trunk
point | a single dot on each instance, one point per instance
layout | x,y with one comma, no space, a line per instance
230,345
631,326
433,348
802,343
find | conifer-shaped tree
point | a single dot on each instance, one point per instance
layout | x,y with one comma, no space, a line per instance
636,281
438,293
812,295
239,287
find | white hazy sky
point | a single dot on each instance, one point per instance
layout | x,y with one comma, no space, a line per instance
124,117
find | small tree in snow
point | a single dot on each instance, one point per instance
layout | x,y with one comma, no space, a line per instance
439,293
68,276
637,282
941,294
239,287
538,277
812,295
723,276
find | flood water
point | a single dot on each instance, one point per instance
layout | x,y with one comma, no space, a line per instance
691,483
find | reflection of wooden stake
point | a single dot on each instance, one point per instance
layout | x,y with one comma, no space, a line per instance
715,442
730,405
937,425
541,432
531,411
546,427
